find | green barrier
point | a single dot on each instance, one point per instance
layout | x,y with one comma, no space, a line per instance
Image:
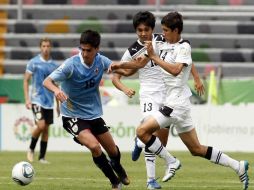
12,89
230,91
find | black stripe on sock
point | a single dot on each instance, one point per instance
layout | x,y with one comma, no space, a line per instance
218,157
159,150
209,153
151,141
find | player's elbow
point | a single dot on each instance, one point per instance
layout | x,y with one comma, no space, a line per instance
175,72
46,82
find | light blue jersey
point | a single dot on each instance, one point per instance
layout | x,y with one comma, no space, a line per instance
81,85
40,69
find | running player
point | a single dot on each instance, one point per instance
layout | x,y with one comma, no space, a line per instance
81,106
175,60
41,100
152,88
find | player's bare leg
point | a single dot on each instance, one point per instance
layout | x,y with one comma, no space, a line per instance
86,138
40,125
190,139
144,133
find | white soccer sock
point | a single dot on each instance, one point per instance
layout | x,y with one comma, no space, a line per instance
158,149
218,157
150,159
140,143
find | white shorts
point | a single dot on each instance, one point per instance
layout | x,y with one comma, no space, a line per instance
180,118
151,102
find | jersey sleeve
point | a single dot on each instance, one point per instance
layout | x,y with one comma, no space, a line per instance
184,54
126,56
106,62
30,67
63,72
56,65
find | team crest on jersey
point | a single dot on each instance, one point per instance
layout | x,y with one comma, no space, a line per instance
96,70
69,105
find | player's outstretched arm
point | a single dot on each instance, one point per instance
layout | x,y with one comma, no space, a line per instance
116,80
138,63
50,85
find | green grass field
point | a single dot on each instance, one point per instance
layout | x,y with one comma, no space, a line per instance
76,171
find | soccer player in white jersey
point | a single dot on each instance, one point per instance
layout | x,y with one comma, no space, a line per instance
81,106
41,100
152,89
175,61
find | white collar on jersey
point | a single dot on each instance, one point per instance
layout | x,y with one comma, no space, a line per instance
140,42
43,60
168,45
83,62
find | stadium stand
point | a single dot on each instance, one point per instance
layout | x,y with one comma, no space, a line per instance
3,30
220,31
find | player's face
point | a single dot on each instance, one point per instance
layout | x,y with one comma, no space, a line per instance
144,33
88,53
170,36
45,49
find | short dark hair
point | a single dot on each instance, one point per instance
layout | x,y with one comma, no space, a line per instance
90,37
144,17
45,40
173,20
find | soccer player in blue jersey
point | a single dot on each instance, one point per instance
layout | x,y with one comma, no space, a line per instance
41,100
81,107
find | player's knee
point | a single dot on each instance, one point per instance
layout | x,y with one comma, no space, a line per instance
40,128
140,132
95,149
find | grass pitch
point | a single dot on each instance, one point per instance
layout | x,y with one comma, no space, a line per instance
76,171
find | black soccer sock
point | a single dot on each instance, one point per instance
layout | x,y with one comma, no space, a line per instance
118,168
103,163
33,143
116,165
116,158
43,149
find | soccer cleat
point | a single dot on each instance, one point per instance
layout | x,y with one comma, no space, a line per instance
243,173
123,177
30,155
121,173
153,184
117,186
171,170
136,151
43,161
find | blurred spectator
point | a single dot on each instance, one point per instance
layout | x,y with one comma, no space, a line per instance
235,2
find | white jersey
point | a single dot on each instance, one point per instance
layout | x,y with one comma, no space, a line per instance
152,93
150,75
176,86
